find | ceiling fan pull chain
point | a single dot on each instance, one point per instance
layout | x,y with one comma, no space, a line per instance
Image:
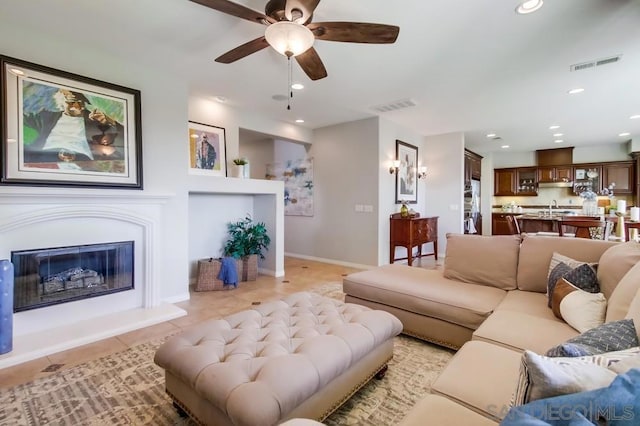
289,83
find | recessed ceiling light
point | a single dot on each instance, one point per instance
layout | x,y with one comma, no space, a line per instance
504,146
297,86
299,120
554,127
491,135
558,141
557,135
16,71
625,134
576,90
635,117
529,6
220,99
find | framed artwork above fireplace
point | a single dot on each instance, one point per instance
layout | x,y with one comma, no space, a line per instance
63,129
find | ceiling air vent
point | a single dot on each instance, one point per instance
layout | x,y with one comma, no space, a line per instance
394,106
595,63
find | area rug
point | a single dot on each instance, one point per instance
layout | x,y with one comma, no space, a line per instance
127,388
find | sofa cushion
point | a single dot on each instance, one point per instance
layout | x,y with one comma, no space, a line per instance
481,377
485,260
612,336
546,377
634,313
425,292
519,331
536,253
615,263
622,296
443,412
578,308
527,302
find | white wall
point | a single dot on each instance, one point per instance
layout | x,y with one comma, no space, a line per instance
259,152
345,174
445,183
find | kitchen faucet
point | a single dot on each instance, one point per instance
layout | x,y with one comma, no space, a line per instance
552,203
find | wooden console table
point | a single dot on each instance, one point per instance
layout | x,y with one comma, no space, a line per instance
411,232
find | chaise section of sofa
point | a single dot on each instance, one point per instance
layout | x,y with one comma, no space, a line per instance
443,307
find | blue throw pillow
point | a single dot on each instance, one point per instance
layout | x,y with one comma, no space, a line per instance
609,337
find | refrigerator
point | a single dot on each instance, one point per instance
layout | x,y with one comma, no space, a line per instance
472,216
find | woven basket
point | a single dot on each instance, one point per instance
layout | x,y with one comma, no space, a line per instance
208,270
248,268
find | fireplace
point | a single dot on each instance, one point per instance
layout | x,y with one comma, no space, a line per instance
51,276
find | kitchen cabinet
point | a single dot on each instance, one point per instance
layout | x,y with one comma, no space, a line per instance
527,181
410,232
533,225
622,174
499,224
504,181
555,174
587,176
472,166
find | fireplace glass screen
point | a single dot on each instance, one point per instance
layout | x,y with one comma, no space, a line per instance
50,276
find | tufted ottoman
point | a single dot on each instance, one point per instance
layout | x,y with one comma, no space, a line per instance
301,356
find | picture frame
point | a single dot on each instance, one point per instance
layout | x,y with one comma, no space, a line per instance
407,173
64,129
207,150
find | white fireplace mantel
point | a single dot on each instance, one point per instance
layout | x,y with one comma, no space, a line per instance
53,217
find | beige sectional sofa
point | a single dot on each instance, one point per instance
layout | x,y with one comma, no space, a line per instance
489,301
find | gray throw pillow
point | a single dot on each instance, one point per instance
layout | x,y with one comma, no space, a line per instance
609,337
583,276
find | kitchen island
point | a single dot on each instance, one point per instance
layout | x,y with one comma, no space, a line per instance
529,222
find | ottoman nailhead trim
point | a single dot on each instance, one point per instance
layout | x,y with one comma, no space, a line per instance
353,390
185,409
432,340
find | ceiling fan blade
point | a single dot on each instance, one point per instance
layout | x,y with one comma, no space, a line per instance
355,32
237,10
306,7
311,64
244,50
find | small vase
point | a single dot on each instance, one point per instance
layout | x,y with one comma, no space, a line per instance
238,170
404,210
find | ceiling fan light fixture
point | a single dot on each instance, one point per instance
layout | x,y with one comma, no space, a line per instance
529,6
288,38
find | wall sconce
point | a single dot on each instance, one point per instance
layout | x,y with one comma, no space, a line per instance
423,172
395,165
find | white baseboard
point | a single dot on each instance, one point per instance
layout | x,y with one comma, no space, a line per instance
331,261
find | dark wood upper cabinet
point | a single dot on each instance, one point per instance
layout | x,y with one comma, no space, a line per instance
622,174
555,174
504,182
554,157
527,181
472,166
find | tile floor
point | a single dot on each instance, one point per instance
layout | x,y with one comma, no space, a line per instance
300,275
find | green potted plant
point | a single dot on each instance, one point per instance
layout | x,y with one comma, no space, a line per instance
246,241
239,167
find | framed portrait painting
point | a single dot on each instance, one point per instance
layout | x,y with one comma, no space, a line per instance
406,175
64,129
207,150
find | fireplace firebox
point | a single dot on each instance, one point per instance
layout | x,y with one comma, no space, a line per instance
50,276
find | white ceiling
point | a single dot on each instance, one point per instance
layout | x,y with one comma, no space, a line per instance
472,66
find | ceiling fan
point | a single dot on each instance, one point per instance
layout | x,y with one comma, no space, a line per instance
291,32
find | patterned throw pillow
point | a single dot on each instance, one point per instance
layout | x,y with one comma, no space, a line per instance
612,336
583,276
545,377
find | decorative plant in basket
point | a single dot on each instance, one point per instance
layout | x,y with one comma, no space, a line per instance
247,240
